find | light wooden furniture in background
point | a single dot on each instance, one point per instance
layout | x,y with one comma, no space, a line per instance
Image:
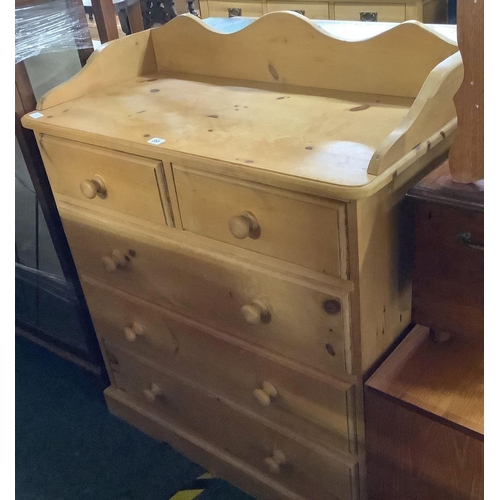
393,11
232,202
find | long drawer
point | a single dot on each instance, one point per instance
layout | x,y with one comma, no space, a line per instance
304,230
317,407
308,470
296,318
99,177
312,10
371,12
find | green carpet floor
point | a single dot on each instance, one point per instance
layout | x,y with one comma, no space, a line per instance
69,447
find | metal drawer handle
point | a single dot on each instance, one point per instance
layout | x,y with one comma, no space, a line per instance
466,239
370,17
234,12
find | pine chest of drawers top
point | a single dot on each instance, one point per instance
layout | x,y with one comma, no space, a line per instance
280,102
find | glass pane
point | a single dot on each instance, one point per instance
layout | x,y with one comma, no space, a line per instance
44,299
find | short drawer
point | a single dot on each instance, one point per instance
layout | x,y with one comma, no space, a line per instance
312,10
371,12
317,407
104,178
308,470
239,8
300,229
296,318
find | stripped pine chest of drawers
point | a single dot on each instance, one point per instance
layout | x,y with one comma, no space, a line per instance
236,223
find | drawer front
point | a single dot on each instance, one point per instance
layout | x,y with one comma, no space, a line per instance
104,178
297,229
321,410
435,11
227,8
297,319
312,10
371,12
303,468
448,269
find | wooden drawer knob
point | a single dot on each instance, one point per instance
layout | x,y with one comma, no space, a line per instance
114,261
131,332
90,188
264,395
152,394
254,312
244,226
275,462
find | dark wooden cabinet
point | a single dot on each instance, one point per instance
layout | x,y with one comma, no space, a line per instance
424,406
448,267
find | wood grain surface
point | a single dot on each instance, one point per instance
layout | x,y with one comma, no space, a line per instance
412,457
105,16
424,421
467,153
448,274
439,186
284,47
300,103
445,380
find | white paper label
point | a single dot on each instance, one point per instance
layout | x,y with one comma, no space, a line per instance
156,141
36,115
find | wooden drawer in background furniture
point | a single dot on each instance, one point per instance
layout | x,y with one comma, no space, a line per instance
305,469
312,10
448,268
425,11
424,421
229,8
371,12
433,11
298,318
132,185
319,408
307,231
